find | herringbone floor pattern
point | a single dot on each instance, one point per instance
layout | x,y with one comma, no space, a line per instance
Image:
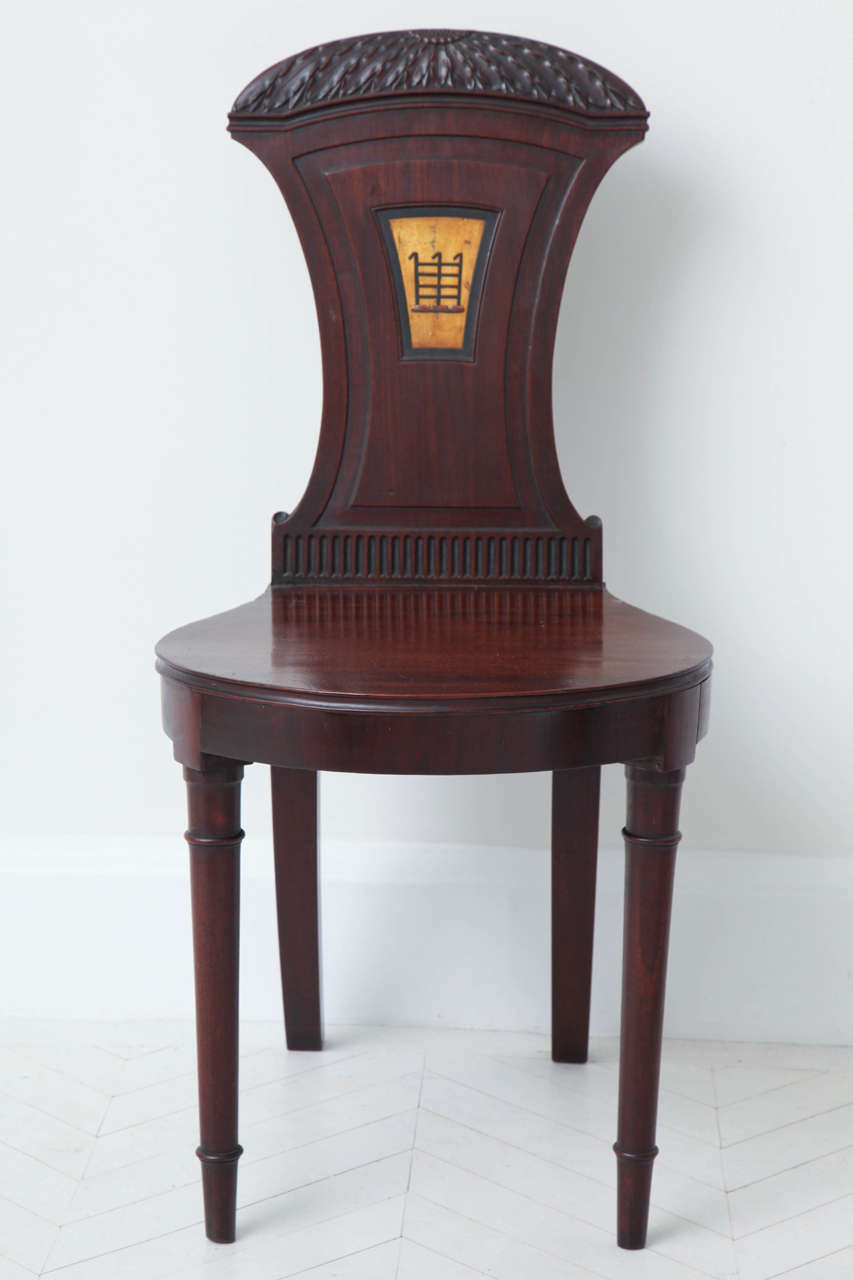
417,1155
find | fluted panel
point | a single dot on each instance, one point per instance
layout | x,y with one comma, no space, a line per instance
437,557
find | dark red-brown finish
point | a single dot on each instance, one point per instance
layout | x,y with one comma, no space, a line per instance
651,840
294,819
404,484
437,604
214,836
574,857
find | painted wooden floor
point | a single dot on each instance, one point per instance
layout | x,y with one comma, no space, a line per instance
417,1155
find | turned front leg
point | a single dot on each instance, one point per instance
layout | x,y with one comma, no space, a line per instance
651,840
214,836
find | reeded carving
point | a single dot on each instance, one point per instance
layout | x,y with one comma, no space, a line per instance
378,556
395,62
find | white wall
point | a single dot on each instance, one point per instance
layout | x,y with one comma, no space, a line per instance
425,934
161,390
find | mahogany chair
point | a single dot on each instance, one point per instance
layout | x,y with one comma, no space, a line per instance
437,605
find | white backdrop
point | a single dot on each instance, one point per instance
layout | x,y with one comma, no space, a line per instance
161,388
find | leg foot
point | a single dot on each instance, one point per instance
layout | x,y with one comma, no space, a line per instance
633,1192
574,853
651,840
294,809
219,1185
214,837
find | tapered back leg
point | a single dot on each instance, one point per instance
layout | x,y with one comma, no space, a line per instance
574,856
294,810
651,841
214,836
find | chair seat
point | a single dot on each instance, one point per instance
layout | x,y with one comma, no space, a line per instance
442,646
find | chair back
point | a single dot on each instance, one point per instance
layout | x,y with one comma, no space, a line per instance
438,180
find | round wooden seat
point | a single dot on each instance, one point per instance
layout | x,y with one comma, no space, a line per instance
445,646
321,674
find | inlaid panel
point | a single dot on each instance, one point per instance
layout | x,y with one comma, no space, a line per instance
431,428
438,256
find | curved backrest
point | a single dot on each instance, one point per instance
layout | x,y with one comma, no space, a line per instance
438,180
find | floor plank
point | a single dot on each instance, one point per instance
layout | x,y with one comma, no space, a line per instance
417,1155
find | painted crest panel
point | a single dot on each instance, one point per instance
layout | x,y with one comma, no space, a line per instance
438,257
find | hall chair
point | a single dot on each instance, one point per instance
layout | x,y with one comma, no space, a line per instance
437,605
